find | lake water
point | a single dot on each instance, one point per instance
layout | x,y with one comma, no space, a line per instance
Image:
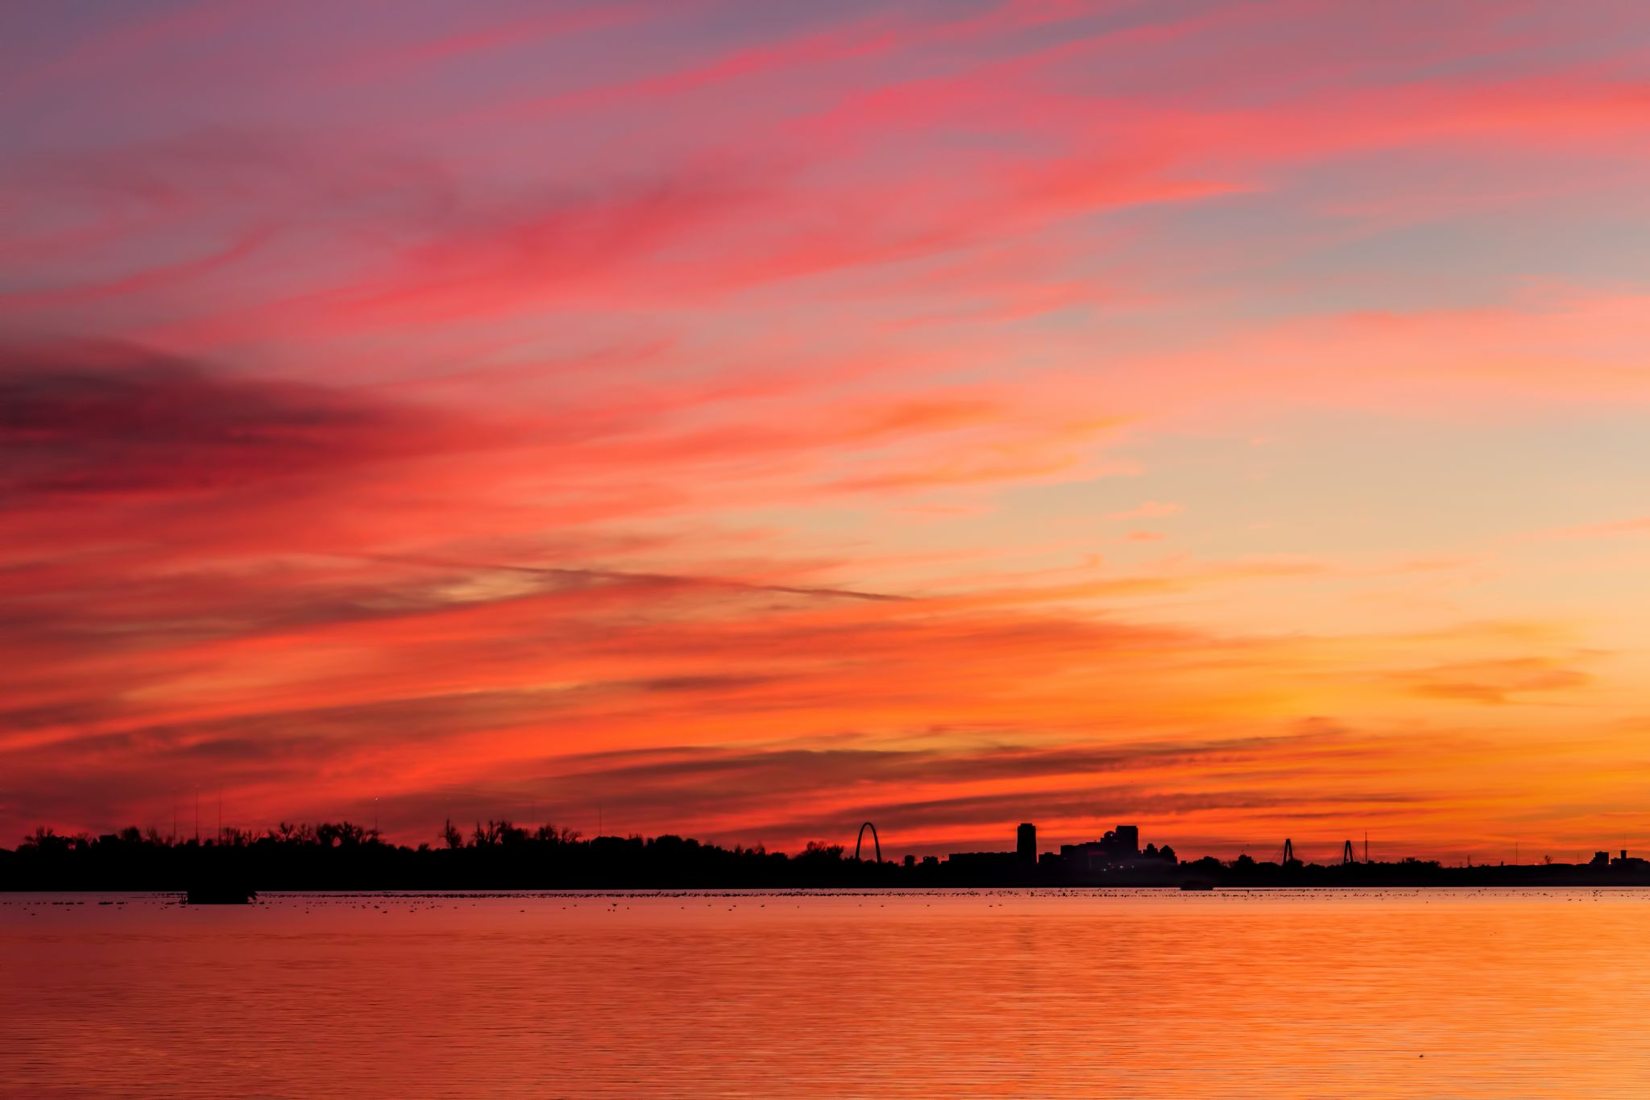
995,993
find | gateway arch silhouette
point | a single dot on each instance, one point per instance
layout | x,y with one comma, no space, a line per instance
874,840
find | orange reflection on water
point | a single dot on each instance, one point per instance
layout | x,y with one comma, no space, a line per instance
1380,993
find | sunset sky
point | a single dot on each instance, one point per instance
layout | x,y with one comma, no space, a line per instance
747,419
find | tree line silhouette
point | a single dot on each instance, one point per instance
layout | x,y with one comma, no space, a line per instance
499,854
496,854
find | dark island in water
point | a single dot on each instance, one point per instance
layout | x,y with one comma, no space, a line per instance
500,855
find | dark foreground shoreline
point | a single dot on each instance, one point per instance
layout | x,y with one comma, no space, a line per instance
346,858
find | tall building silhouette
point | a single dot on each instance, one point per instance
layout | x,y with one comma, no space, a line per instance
1128,839
1026,843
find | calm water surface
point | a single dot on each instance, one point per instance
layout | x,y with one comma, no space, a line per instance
1367,993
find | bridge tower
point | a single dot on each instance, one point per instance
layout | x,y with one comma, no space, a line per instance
1346,854
1288,851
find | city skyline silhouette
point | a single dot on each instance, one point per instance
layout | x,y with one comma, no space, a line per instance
499,854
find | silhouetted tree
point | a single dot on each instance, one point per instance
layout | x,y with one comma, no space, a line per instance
343,834
510,834
549,834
